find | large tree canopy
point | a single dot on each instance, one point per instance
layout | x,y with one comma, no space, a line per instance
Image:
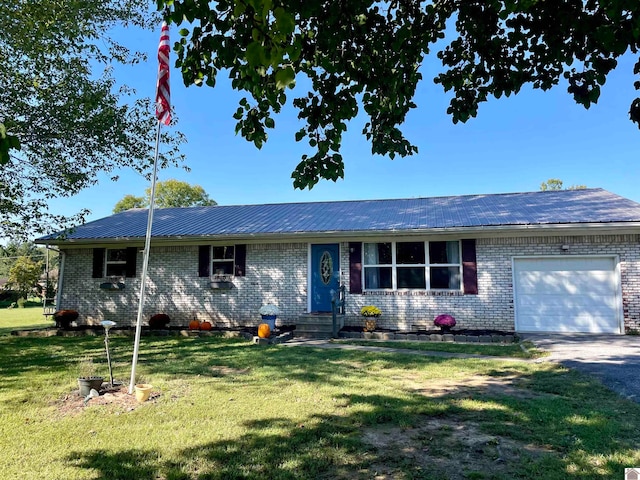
169,193
61,105
367,54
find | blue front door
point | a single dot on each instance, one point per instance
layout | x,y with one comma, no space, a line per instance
325,275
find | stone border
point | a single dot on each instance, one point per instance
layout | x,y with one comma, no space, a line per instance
55,332
273,339
433,337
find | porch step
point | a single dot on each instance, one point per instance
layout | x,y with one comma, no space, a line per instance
316,325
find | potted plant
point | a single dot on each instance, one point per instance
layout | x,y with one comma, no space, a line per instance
269,314
370,313
445,321
87,379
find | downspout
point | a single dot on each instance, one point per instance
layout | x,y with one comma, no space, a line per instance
61,257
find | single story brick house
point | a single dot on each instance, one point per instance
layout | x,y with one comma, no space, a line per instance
555,261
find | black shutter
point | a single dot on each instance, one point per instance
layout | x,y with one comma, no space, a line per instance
132,257
241,260
355,267
469,267
204,260
98,263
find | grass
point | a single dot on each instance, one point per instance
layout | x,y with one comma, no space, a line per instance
228,409
508,350
22,318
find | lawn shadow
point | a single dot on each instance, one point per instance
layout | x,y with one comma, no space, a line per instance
557,427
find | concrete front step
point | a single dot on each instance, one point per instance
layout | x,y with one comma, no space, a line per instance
317,325
314,319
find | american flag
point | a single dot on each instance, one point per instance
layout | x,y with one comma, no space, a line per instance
163,104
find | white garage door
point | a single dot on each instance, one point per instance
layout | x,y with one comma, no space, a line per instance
567,294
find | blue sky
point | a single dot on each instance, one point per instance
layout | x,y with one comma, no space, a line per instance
512,146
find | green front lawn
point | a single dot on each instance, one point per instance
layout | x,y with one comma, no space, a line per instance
228,409
497,350
22,319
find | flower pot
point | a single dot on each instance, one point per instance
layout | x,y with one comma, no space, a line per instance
270,320
143,391
86,384
370,324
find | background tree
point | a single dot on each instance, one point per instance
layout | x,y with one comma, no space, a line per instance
367,54
65,119
169,193
13,251
556,184
25,275
128,202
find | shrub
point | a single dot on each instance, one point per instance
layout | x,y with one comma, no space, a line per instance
445,321
63,318
159,321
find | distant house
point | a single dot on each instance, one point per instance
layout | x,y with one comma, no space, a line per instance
556,261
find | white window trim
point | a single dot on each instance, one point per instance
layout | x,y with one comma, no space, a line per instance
108,262
427,266
213,261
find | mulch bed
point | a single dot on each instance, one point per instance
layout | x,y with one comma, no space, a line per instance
117,399
455,331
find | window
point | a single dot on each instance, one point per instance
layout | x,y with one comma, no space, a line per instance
116,262
222,259
412,265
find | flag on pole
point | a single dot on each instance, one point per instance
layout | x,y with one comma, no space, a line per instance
163,103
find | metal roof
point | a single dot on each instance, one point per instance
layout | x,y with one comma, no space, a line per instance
571,207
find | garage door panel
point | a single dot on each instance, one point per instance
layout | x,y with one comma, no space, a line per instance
564,283
534,323
568,294
563,302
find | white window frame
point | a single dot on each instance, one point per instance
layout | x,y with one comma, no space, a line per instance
108,262
222,260
427,266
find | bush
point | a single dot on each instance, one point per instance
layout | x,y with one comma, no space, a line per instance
445,322
159,321
9,296
63,318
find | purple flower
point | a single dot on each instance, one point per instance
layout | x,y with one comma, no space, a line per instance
444,321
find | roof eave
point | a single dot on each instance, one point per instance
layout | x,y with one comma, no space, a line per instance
475,231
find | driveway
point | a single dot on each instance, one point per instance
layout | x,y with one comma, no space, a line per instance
614,359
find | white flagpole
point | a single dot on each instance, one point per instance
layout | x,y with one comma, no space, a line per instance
145,265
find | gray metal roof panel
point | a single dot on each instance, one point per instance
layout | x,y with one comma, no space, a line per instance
513,209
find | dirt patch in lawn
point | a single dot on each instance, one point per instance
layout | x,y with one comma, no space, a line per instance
453,449
477,385
117,400
224,371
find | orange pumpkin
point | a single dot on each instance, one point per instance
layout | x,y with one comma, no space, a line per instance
263,330
205,326
194,325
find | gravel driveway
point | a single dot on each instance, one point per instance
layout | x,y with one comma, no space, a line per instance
614,359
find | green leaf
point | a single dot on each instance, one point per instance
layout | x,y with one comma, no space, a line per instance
285,78
284,21
255,54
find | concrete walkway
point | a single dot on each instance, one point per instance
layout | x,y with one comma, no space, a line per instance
613,359
366,348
